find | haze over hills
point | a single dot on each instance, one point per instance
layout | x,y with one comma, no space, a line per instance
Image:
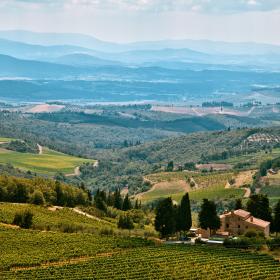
86,41
175,54
131,152
165,71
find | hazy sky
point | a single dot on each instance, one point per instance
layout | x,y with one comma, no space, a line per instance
137,20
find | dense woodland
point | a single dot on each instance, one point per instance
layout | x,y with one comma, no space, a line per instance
41,191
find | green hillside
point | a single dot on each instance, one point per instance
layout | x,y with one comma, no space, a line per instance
52,218
49,162
176,184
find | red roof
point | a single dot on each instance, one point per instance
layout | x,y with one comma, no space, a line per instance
257,222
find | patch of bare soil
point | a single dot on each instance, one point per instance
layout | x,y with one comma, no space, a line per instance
77,172
214,166
45,108
244,178
9,226
55,208
124,191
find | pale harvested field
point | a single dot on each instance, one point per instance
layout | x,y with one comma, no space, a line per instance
214,166
244,178
45,108
199,111
164,189
241,179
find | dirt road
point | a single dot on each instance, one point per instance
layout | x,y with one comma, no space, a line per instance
40,148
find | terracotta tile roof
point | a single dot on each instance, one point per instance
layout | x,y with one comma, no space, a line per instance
257,222
242,213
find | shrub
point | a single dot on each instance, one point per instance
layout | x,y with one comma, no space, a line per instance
125,222
24,219
192,184
38,198
273,244
250,234
241,243
231,181
106,231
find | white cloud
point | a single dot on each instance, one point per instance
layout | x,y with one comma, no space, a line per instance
136,20
206,6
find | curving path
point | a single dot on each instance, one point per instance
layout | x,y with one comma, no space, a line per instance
40,148
247,193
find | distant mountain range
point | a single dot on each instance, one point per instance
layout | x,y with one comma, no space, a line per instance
83,50
75,66
90,42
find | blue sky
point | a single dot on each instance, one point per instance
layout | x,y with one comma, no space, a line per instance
138,20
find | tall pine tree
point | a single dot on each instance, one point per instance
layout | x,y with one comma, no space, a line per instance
165,218
276,218
184,216
118,201
238,204
208,217
126,203
258,206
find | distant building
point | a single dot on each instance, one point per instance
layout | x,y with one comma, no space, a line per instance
240,221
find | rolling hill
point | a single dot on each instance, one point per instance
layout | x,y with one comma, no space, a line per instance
49,162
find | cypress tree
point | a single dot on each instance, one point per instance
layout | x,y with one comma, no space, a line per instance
258,206
238,204
136,206
165,222
126,203
110,199
59,194
170,166
118,199
276,218
184,217
208,217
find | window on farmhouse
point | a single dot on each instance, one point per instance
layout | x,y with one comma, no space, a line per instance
238,226
227,225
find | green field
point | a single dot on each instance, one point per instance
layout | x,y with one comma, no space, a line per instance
46,255
210,185
50,162
5,140
254,159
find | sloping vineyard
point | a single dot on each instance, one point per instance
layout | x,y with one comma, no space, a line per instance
163,262
30,248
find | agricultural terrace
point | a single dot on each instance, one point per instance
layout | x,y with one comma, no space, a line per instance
253,159
271,187
49,162
199,186
144,262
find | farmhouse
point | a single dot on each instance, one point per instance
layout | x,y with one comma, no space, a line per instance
239,221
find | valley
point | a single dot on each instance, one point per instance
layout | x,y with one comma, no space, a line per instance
138,160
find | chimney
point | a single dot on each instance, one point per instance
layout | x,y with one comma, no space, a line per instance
251,219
